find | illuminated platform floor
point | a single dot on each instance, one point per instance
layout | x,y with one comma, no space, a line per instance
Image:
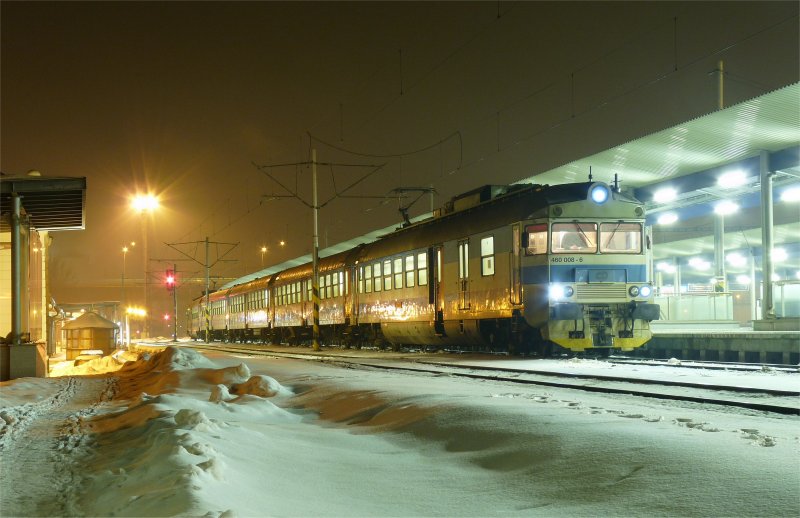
720,341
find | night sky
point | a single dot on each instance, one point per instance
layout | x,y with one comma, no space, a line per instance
181,99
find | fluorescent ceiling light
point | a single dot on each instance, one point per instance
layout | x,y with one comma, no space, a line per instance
725,207
665,195
668,218
732,179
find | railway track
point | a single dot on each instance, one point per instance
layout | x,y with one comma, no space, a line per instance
784,402
708,365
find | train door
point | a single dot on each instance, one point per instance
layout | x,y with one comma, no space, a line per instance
435,292
516,265
463,274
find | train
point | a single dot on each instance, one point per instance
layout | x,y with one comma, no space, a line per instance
522,268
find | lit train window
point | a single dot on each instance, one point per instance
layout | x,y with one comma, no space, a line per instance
398,273
376,274
422,269
574,238
621,238
410,271
536,239
487,256
387,275
328,287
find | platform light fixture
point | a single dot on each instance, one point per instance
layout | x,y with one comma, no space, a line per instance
665,195
665,267
732,179
779,255
725,208
668,218
698,263
791,195
736,259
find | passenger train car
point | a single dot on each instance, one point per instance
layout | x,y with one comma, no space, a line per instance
521,268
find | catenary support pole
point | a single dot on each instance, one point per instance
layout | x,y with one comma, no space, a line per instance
315,253
206,314
175,303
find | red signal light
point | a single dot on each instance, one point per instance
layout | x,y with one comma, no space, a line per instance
169,279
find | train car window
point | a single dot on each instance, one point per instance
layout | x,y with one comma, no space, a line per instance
535,239
328,286
387,275
409,271
574,238
487,256
376,274
422,269
621,238
398,273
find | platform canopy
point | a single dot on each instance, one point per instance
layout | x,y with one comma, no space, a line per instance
51,203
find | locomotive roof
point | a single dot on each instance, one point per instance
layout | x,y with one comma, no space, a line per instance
520,202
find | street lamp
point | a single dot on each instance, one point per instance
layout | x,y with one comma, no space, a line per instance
145,203
263,251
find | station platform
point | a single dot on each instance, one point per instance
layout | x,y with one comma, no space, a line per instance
725,341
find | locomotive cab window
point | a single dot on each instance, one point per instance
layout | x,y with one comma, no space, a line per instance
535,239
621,238
574,238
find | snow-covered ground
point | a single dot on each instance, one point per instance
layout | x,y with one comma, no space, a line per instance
180,433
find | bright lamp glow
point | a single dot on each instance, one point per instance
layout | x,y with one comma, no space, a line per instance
665,267
732,179
556,291
665,195
668,218
743,279
779,255
699,264
725,208
146,202
791,194
599,194
736,259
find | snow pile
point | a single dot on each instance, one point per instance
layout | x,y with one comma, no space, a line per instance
174,434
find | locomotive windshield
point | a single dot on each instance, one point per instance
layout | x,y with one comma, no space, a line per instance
572,237
621,238
583,237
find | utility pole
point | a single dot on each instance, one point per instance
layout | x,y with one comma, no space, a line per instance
315,253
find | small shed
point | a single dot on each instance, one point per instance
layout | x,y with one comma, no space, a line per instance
90,331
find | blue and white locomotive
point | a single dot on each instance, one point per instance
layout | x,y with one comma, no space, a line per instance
523,268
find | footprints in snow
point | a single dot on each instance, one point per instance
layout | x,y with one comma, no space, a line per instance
750,434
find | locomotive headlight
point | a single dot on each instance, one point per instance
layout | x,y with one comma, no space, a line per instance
599,194
634,291
645,291
557,291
